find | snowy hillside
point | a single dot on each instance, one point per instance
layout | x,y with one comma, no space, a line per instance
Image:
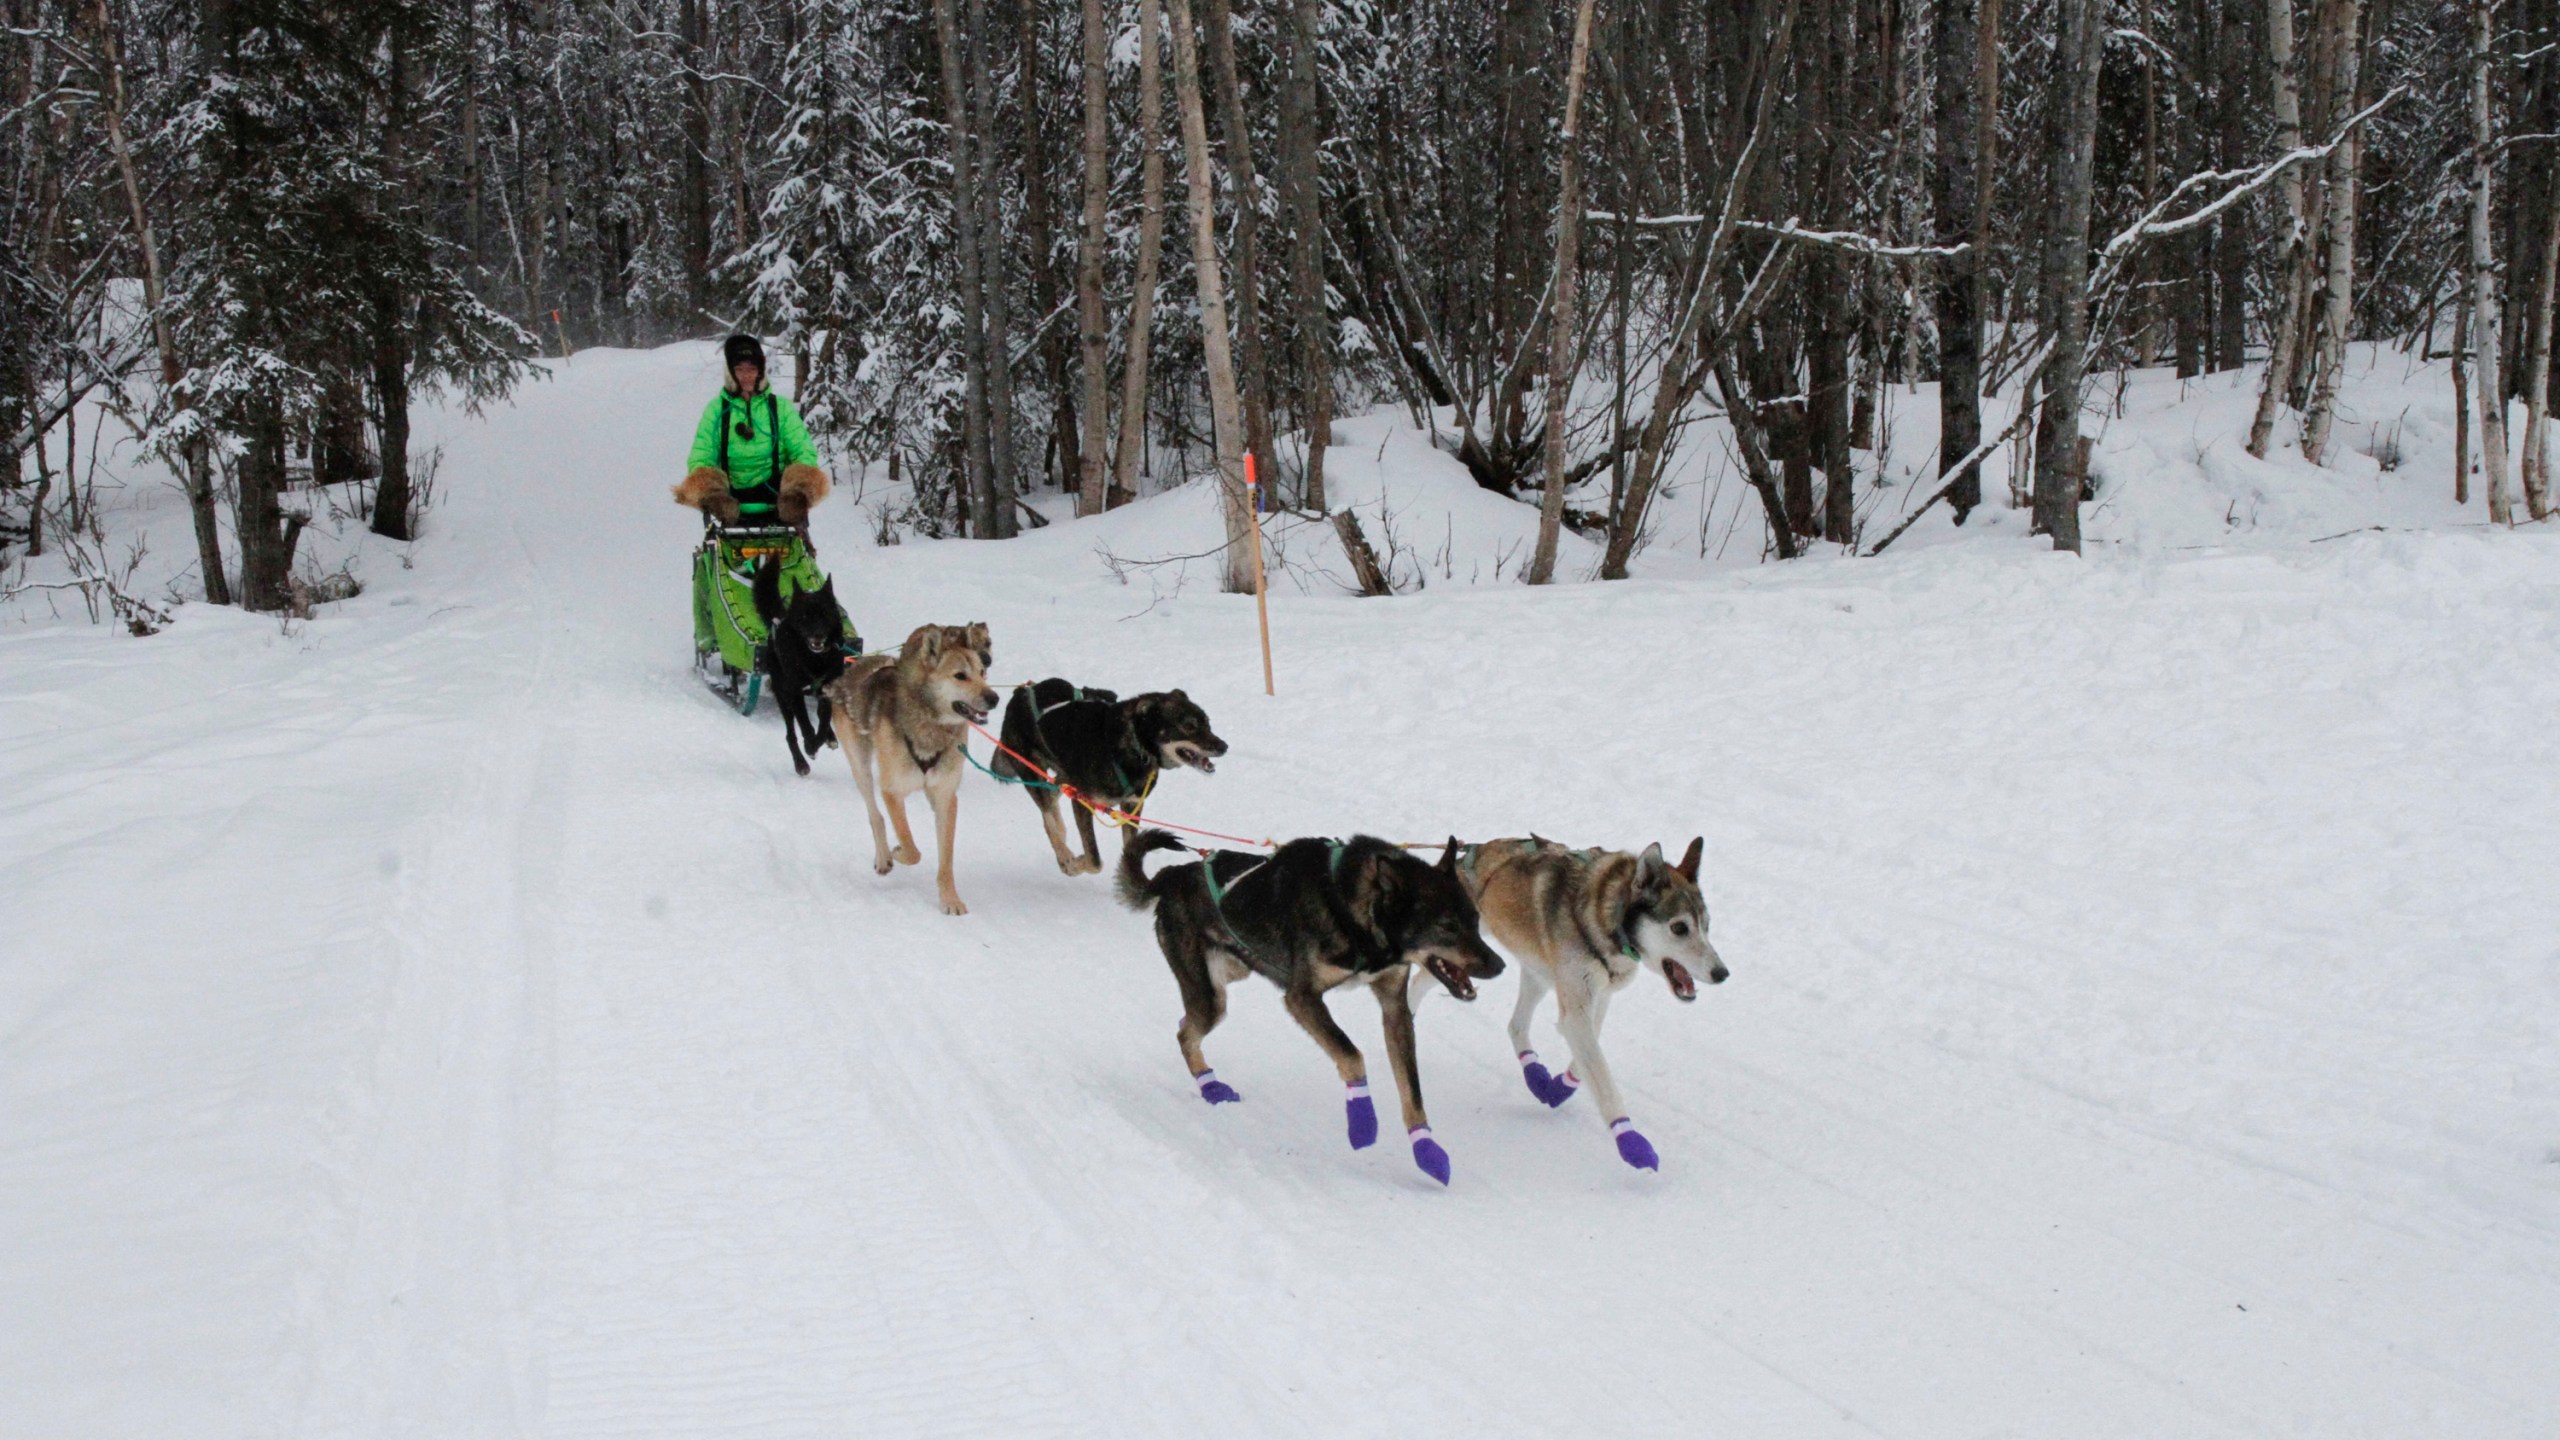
439,1017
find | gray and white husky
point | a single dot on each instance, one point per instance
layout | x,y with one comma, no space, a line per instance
1582,923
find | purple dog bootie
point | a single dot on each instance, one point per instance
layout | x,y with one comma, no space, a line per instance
1428,1154
1632,1146
1549,1091
1362,1113
1215,1090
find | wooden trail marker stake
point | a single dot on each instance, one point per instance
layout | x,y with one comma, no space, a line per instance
1261,598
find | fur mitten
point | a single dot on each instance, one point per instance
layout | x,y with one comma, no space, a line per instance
707,490
802,487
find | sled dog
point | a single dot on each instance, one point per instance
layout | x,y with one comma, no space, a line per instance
1315,916
1109,749
1582,923
804,653
903,719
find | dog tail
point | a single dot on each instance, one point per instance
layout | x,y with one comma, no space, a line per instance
767,590
1138,889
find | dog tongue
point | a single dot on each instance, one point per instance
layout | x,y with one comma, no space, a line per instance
1682,983
1450,976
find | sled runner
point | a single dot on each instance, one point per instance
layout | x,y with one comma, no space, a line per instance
728,635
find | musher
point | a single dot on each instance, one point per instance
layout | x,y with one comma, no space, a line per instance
753,464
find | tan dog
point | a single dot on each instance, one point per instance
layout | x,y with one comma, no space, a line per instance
904,721
1582,923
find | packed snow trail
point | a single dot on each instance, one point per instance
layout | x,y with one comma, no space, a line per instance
448,1020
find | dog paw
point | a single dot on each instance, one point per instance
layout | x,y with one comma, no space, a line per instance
799,764
951,905
1541,1085
1428,1154
880,865
1632,1146
1561,1088
1215,1090
906,855
1362,1113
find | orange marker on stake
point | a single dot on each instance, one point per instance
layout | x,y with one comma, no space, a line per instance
1261,601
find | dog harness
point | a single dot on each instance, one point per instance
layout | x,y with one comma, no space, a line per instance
1626,936
1119,774
1218,892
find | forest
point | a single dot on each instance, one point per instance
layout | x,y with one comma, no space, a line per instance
1011,247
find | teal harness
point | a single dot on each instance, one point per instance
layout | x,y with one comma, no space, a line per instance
1218,892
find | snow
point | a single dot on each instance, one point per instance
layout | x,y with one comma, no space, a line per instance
439,1017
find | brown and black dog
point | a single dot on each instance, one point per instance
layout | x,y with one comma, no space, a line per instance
904,722
1108,748
1311,917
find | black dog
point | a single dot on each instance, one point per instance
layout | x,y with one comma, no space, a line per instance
804,653
1316,915
1108,748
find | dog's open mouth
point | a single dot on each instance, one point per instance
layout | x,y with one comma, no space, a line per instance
1451,976
1195,757
969,712
1683,984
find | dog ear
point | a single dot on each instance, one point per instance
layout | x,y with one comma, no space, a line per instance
1178,695
1651,862
1688,866
924,645
1449,856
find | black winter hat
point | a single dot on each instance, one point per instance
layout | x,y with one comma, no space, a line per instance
740,348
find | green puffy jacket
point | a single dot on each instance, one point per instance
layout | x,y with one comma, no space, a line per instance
751,438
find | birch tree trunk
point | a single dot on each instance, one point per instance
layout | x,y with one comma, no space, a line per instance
2288,112
1093,459
2490,381
1226,423
978,494
1142,292
1560,326
2345,162
2066,279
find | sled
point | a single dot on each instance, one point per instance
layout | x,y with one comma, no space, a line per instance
728,635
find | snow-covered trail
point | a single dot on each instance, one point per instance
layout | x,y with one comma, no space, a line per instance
449,1021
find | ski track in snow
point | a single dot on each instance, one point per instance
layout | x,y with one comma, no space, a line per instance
444,1019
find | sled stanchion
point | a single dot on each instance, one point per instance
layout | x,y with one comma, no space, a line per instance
1261,596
